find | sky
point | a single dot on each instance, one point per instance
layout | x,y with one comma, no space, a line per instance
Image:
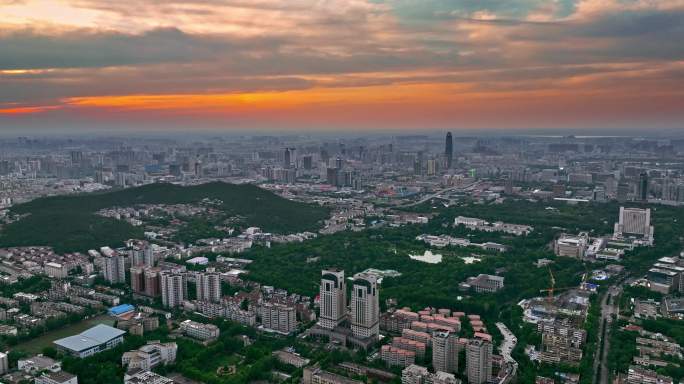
346,65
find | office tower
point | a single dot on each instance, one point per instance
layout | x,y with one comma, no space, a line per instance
634,221
332,176
137,279
445,351
478,361
114,268
152,282
174,288
307,162
198,168
339,163
431,167
642,188
449,150
333,296
287,158
76,157
5,167
209,286
365,306
622,192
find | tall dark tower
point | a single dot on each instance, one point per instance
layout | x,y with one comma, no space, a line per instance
287,161
449,150
642,189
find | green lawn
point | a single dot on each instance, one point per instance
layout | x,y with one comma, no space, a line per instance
36,345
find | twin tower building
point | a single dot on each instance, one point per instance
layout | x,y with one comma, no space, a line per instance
364,317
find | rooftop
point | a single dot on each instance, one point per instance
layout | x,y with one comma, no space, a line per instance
97,335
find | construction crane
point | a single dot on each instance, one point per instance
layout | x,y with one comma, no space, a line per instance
553,288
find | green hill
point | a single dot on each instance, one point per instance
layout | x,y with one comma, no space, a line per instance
69,223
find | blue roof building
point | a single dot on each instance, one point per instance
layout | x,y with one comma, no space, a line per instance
121,309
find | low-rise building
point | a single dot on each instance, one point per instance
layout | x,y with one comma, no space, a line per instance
150,355
60,377
316,375
146,377
394,356
199,331
94,340
483,283
290,358
39,363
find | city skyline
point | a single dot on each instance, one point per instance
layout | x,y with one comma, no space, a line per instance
252,66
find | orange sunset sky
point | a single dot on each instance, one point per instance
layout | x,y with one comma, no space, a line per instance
341,65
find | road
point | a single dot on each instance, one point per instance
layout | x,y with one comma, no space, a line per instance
438,193
609,306
506,348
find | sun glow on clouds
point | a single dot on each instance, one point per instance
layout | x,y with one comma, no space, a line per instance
507,64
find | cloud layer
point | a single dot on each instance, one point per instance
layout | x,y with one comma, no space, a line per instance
344,63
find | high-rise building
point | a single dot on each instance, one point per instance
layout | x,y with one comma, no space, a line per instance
114,268
479,361
209,286
622,192
431,167
152,282
642,188
365,306
634,221
307,162
279,317
149,257
138,279
287,158
445,351
449,150
174,288
333,176
4,363
333,298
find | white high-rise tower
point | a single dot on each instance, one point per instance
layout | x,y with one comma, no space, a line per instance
365,306
333,296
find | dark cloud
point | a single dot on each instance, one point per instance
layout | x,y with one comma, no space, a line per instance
28,49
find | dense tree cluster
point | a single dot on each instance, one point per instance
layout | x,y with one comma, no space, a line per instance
69,223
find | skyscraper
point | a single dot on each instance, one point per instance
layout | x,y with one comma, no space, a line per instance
365,306
333,296
478,361
174,288
209,286
642,188
445,352
287,159
449,150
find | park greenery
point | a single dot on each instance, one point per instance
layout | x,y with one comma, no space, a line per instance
421,284
70,223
